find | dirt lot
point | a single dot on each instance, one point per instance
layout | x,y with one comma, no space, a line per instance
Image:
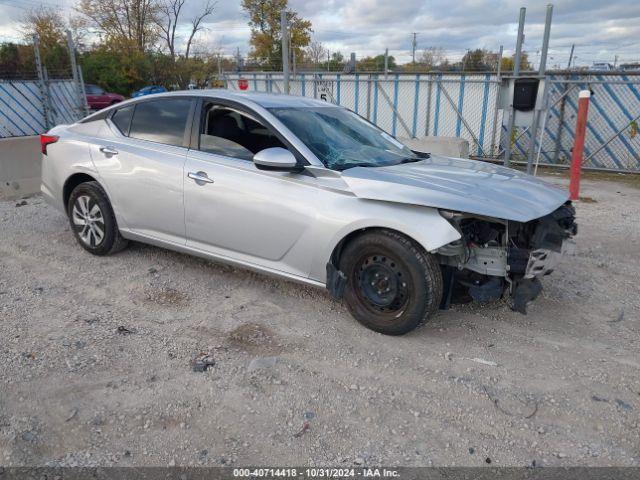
96,354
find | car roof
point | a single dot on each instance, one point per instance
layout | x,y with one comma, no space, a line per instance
265,100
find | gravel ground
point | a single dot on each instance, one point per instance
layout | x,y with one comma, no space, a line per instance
97,355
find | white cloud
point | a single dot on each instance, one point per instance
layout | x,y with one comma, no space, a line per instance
599,29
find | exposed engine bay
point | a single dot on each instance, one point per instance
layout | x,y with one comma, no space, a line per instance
495,257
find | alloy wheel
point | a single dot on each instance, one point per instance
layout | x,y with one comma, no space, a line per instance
88,221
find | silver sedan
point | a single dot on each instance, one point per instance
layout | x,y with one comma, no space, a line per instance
308,191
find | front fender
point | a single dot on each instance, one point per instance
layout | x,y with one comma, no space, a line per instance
422,224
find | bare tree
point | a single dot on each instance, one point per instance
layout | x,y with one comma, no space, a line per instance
316,53
129,24
432,57
169,18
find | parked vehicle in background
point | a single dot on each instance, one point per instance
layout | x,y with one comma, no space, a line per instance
601,67
309,191
148,90
97,98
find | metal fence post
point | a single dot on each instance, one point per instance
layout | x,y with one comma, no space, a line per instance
428,116
74,70
44,91
561,109
369,97
284,28
497,105
542,70
516,74
83,92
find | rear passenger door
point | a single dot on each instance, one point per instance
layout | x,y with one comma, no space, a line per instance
141,163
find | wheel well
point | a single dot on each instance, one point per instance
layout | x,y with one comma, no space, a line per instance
337,251
72,182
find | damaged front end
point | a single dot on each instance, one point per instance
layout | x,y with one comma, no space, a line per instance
495,257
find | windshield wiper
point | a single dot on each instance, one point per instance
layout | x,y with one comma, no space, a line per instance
354,165
411,159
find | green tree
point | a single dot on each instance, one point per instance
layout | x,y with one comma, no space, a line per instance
474,60
508,63
9,59
49,26
266,34
376,64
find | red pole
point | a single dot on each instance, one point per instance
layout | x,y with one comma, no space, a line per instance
578,144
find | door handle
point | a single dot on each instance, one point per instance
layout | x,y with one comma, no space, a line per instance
109,151
200,177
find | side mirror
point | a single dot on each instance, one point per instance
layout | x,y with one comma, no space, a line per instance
276,158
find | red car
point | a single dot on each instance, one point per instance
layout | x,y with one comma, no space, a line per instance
97,98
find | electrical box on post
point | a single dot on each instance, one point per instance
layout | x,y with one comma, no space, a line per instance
525,92
524,95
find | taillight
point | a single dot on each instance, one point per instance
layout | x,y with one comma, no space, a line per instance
47,140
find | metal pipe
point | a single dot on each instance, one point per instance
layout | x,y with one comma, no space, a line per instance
542,69
495,111
516,74
285,49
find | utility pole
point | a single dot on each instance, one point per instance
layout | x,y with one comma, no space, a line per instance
542,70
328,59
414,44
516,74
573,46
386,62
615,61
284,29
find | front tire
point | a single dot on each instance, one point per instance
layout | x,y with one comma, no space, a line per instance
393,285
92,220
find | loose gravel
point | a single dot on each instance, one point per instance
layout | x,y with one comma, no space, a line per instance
151,357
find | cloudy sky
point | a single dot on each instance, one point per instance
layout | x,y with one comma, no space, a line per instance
599,29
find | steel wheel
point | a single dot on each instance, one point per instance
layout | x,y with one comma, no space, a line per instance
382,284
88,221
392,283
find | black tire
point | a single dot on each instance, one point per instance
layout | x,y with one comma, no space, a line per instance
393,285
88,238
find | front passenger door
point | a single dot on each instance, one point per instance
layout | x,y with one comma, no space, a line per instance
234,210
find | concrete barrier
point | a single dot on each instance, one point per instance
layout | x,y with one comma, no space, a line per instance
448,146
20,166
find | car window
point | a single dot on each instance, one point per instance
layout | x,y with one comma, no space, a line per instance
93,90
161,121
122,119
227,132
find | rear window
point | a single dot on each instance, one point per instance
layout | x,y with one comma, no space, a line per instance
122,119
161,121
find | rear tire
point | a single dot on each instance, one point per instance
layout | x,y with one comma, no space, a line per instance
92,220
393,285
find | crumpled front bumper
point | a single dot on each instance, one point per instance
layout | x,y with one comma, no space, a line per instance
543,261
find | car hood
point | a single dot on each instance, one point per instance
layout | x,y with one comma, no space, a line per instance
460,185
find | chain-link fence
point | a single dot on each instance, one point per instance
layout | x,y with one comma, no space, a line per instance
407,106
467,106
32,102
612,140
